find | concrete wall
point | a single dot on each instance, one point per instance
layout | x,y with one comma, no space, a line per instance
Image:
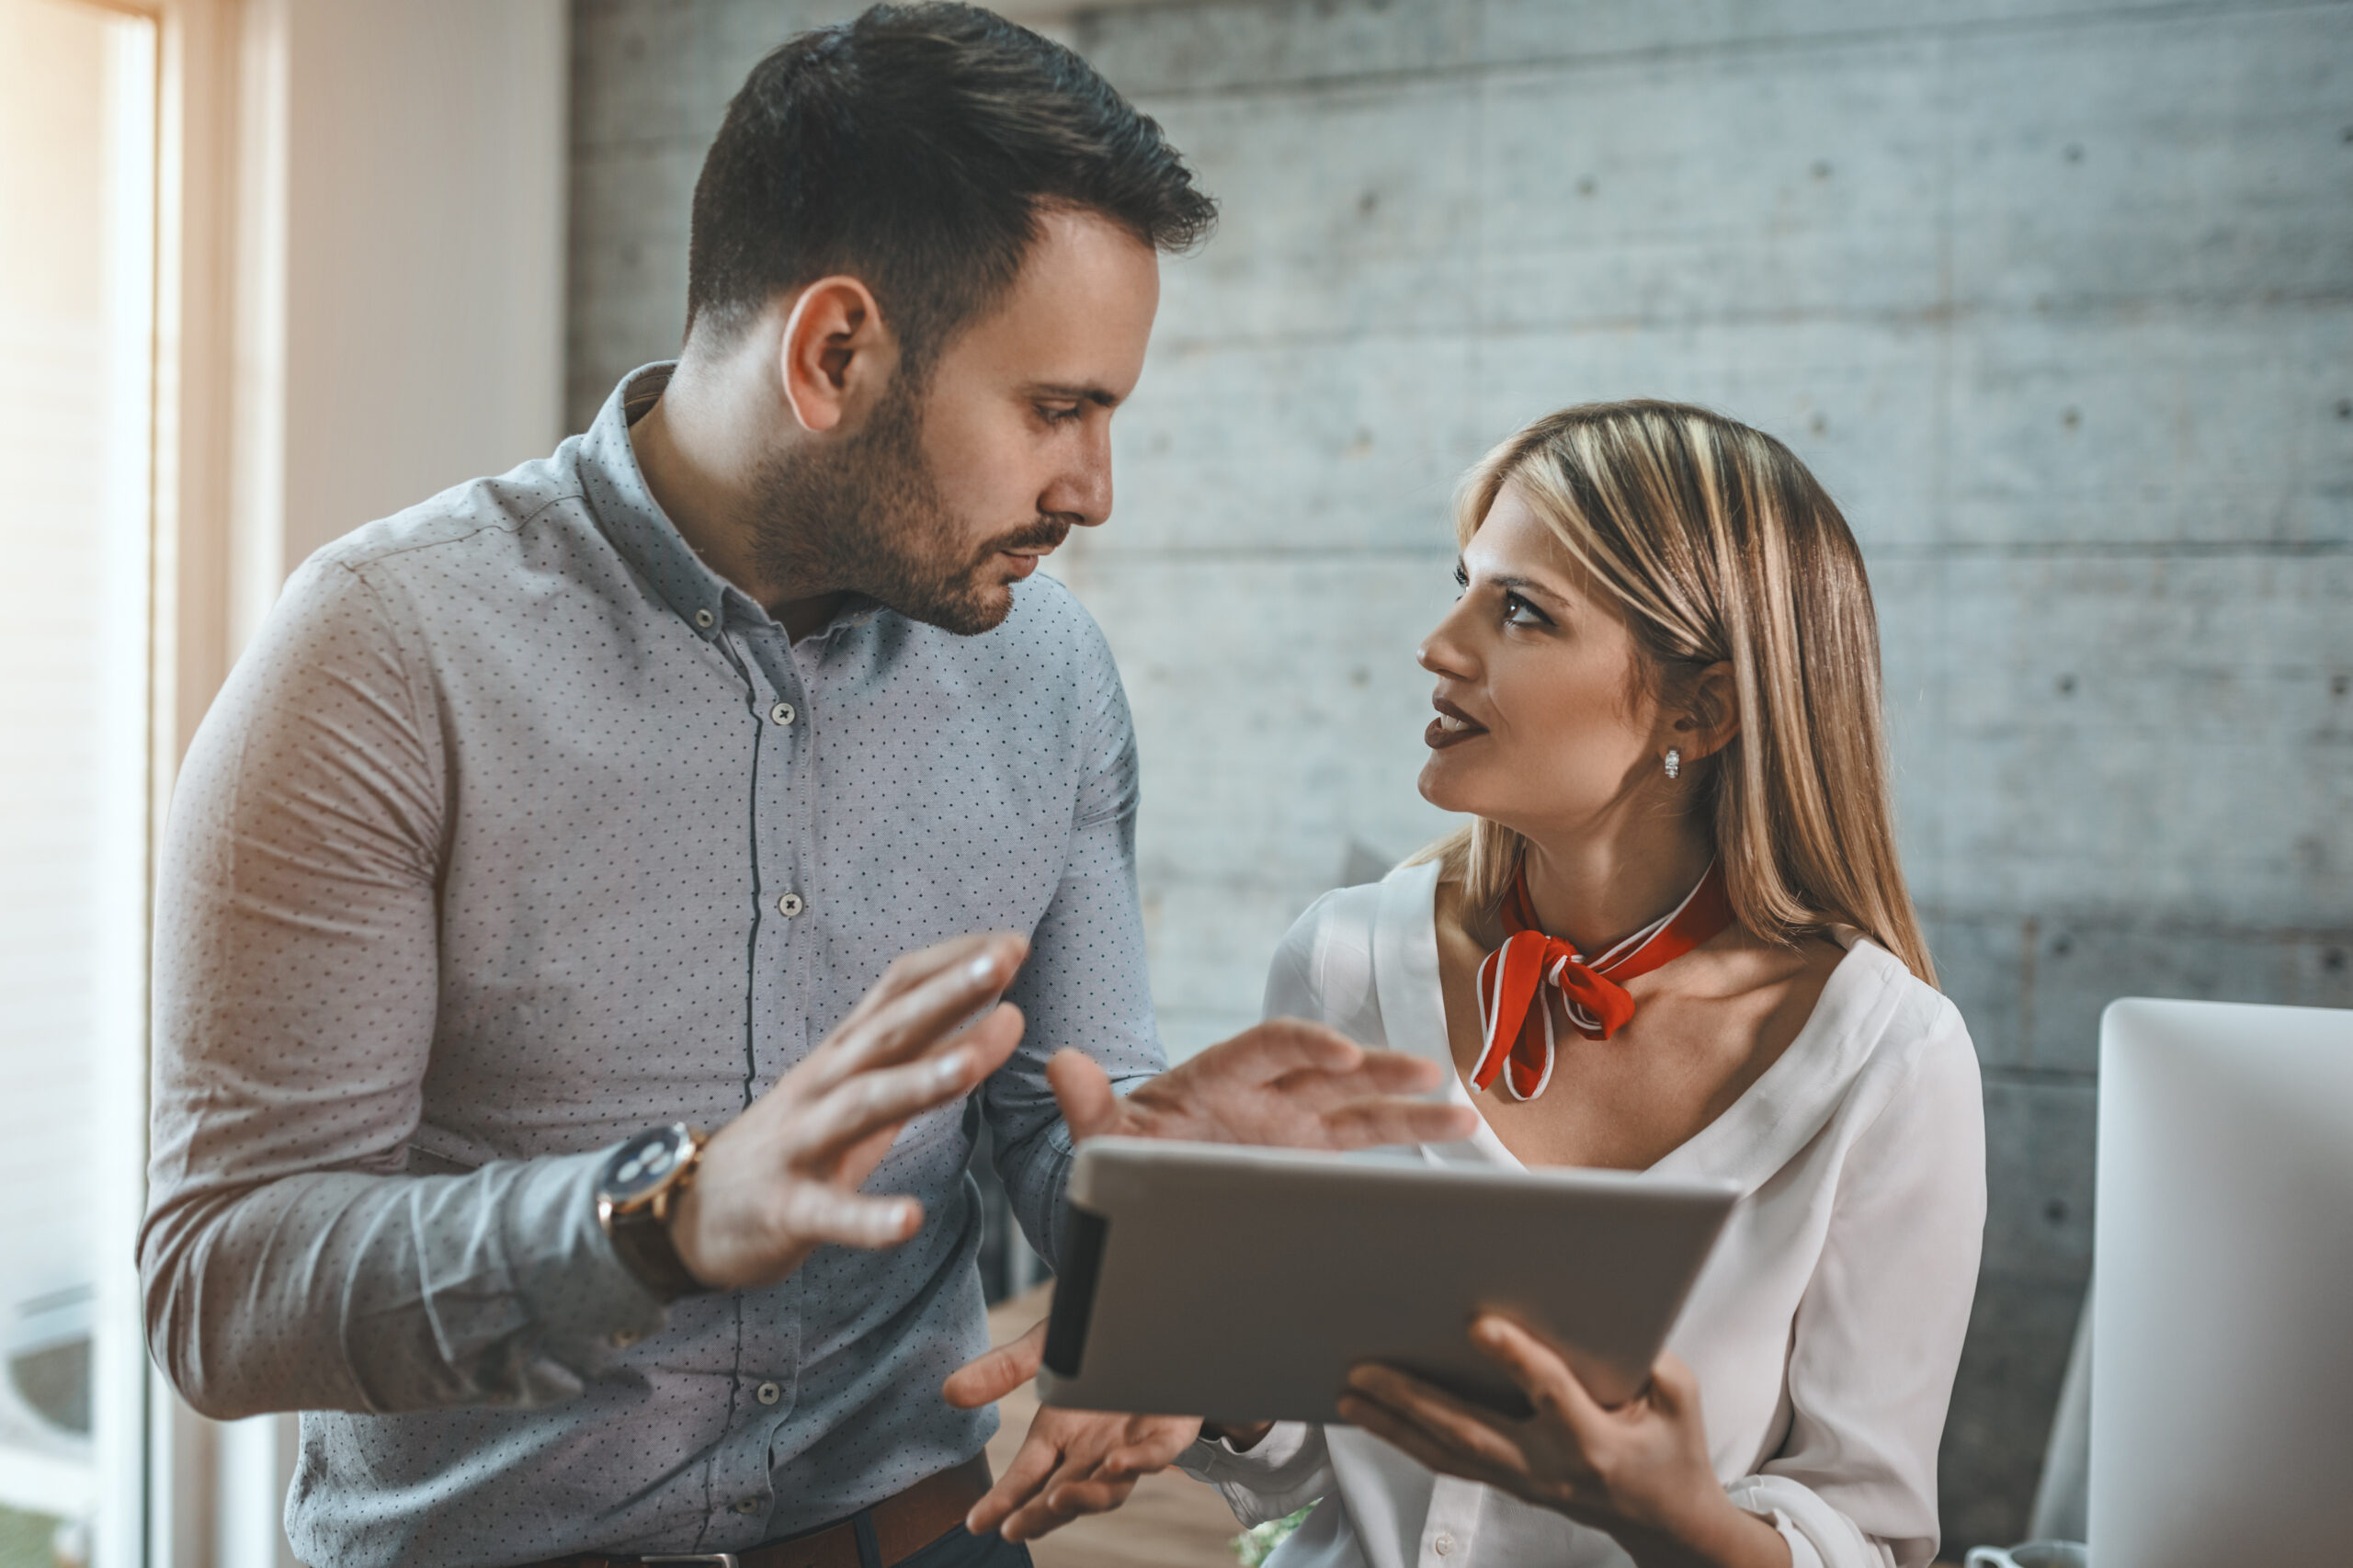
2057,298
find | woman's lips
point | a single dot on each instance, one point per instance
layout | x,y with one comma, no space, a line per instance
1452,727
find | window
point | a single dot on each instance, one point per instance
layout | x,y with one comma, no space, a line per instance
77,378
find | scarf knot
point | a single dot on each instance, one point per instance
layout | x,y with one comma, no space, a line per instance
1516,1026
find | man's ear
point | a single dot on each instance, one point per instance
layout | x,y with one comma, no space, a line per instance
837,354
1710,715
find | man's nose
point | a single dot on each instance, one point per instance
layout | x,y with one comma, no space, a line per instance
1081,491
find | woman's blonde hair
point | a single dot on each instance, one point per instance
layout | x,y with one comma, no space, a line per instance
1721,548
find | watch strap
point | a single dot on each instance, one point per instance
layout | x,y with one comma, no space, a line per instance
642,1241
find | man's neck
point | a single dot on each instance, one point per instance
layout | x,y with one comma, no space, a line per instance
1599,887
699,455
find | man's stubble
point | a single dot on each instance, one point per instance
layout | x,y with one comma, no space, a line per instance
870,518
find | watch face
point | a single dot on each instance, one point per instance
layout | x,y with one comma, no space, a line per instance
642,1163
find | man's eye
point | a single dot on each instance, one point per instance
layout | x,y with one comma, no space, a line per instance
1052,414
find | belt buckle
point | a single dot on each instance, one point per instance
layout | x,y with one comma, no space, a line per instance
715,1559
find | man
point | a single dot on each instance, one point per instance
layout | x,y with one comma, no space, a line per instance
581,805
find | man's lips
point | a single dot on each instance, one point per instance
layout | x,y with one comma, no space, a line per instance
1452,727
1023,551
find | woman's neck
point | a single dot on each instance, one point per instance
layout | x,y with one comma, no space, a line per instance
1596,889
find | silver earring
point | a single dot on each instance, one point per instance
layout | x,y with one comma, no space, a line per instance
1673,763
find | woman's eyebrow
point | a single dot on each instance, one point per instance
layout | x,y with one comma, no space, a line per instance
1530,587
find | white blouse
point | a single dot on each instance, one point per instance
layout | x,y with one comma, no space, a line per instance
1823,1331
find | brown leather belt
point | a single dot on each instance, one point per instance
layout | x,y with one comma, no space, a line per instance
897,1527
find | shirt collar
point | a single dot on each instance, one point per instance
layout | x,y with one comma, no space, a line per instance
625,509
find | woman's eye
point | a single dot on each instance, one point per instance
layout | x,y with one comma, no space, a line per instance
1519,612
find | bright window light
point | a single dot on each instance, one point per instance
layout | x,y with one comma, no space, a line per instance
77,376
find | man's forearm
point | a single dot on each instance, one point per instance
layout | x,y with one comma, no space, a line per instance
1036,1173
338,1290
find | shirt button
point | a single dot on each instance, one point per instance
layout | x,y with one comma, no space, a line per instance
768,1394
623,1338
789,905
1443,1546
749,1505
702,618
781,713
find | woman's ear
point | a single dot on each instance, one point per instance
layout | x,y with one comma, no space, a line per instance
836,352
1710,716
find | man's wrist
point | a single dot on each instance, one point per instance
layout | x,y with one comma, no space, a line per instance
638,1197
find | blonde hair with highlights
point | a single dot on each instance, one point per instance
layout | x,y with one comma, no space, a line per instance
1721,548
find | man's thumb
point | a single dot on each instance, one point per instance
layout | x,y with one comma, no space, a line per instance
1084,1091
988,1378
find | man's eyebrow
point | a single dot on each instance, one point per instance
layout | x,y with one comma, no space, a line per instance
1101,396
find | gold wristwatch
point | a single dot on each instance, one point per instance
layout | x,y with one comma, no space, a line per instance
635,1193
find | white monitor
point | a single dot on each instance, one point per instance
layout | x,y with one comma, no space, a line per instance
2221,1400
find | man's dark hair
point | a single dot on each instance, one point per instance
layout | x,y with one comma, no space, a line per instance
913,149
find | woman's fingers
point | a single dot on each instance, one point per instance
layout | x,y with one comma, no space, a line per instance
1417,1443
984,1379
1459,1425
1546,1378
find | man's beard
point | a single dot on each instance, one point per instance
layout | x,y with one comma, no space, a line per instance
869,517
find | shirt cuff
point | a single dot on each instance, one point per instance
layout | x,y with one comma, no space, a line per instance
1818,1535
586,1302
1283,1472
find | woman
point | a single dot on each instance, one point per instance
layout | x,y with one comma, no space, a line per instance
1675,937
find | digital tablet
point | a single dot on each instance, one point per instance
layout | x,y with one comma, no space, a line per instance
1241,1284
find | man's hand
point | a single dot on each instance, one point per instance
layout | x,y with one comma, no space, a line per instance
781,1179
1073,1462
1285,1083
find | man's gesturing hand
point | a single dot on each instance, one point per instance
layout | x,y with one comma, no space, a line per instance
781,1180
1284,1083
1072,1461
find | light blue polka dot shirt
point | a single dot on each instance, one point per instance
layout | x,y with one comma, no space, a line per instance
480,864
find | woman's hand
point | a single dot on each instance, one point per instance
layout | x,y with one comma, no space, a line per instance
1640,1472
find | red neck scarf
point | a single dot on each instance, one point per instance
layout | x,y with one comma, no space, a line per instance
1514,1043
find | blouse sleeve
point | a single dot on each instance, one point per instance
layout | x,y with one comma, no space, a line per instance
1879,1331
1290,1468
